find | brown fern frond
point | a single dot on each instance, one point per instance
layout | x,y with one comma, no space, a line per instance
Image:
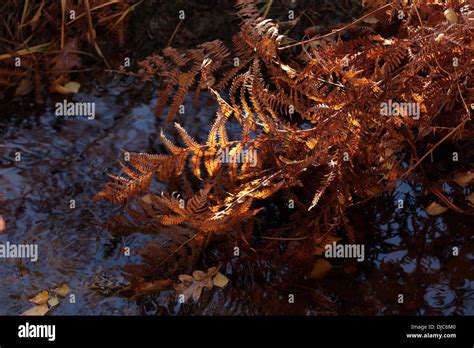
324,185
313,124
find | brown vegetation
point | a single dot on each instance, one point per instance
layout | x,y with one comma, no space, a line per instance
314,120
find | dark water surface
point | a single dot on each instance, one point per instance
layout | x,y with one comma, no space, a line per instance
407,252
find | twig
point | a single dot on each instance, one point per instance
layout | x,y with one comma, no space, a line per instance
92,33
446,200
454,130
174,33
463,101
175,251
63,13
38,48
93,9
283,238
419,17
267,8
124,14
335,30
434,147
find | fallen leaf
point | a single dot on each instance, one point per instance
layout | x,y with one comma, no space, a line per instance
72,87
220,280
320,268
40,298
59,89
24,88
192,286
435,209
37,310
451,15
62,290
57,86
463,179
22,269
53,301
2,224
470,198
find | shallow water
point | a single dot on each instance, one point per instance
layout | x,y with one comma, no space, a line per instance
407,252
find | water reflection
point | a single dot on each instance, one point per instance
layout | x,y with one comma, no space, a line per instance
407,252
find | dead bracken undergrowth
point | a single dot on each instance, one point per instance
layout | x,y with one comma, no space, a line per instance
325,124
44,43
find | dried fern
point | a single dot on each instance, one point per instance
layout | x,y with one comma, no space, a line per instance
314,123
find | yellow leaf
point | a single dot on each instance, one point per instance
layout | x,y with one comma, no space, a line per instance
40,298
53,301
37,311
220,280
60,89
311,143
72,87
320,268
192,286
354,122
463,179
451,15
435,209
62,290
